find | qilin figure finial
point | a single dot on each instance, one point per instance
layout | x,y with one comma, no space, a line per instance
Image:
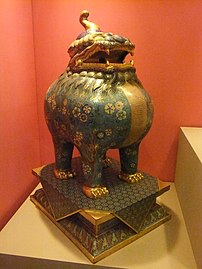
87,24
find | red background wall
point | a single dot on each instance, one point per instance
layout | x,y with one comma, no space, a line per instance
168,58
19,136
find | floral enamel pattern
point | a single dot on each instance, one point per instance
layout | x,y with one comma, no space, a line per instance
110,108
86,169
52,101
77,139
90,121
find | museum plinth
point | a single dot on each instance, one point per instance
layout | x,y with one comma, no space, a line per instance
102,226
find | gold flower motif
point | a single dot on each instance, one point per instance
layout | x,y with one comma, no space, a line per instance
78,138
133,165
86,169
109,108
51,100
79,135
87,109
76,111
119,105
108,132
100,135
83,117
64,110
121,115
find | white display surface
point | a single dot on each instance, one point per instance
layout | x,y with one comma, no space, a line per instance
30,233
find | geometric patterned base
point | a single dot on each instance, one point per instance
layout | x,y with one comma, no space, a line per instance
98,232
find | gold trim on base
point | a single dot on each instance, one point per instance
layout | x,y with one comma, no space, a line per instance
37,171
96,217
114,248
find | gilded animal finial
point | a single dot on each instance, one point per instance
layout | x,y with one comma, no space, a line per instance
87,24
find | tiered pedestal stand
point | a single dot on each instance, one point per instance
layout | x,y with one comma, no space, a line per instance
102,226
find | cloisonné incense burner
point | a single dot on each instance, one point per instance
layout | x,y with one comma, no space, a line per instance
97,104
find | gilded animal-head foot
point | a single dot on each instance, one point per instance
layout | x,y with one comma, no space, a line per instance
131,178
64,174
95,192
